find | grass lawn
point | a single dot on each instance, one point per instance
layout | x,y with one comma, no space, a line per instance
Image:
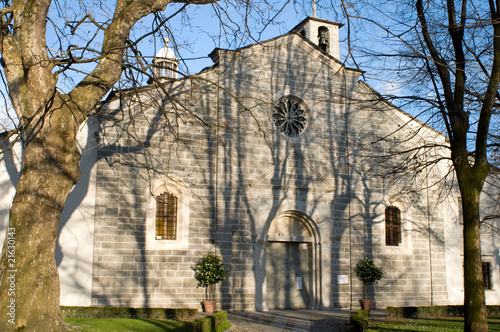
128,324
434,325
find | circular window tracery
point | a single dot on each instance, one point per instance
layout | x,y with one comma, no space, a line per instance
289,117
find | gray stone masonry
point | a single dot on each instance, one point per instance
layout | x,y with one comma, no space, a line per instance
213,134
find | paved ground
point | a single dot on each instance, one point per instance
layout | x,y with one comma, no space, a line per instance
291,320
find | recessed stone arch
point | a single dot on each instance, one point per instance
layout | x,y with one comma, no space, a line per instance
293,226
324,39
293,262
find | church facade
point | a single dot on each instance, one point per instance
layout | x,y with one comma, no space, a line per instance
279,159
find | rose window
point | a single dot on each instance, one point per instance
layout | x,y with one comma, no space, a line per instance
289,117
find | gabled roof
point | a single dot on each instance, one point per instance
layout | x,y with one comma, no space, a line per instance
404,113
215,54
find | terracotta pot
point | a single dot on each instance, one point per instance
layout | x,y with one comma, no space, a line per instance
367,304
209,306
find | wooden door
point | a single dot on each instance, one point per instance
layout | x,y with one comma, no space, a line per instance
288,275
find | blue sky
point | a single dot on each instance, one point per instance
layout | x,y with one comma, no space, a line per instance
197,37
195,32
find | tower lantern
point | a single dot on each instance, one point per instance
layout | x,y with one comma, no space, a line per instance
165,63
322,33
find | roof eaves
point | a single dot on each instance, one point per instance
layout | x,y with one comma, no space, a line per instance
388,103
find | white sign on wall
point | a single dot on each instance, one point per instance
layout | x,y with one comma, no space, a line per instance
299,282
342,279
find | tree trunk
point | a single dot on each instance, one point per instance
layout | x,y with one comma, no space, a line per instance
474,299
30,285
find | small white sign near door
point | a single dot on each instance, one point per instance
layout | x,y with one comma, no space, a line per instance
342,279
299,282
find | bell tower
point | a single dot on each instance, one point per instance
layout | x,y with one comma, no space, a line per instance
323,33
165,63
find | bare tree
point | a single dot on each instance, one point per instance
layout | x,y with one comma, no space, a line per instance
446,59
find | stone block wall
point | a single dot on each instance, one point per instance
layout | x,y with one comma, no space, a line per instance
218,139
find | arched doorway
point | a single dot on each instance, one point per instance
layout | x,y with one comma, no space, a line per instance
292,262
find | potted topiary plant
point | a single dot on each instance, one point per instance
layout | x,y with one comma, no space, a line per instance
367,271
209,271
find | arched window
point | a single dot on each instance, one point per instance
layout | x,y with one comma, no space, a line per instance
324,39
166,217
392,226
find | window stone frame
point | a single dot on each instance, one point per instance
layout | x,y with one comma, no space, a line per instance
180,190
303,106
404,205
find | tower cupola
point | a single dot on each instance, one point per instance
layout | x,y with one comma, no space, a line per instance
165,63
323,33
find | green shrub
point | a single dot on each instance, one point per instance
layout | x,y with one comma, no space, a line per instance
97,312
425,311
216,322
182,314
493,310
219,318
436,311
202,325
223,327
366,270
394,312
220,321
209,271
359,320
